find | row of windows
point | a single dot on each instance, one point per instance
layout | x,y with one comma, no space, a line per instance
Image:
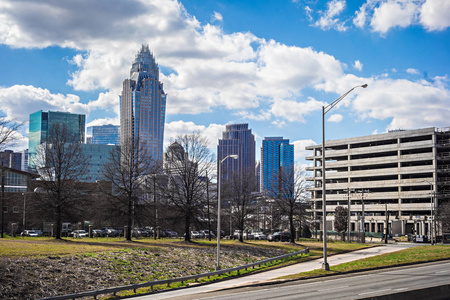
15,209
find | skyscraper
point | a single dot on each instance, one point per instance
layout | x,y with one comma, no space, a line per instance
103,135
143,106
276,153
237,139
40,124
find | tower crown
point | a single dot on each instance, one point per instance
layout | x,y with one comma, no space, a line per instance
144,62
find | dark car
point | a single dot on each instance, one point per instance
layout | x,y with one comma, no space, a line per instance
98,233
280,236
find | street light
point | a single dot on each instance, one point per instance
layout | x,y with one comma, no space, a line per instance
431,212
326,109
234,156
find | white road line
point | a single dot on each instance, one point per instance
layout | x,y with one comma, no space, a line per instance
373,292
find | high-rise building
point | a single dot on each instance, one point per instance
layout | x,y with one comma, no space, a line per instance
143,106
276,153
103,135
40,124
237,139
11,159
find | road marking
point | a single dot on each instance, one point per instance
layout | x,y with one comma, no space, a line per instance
377,291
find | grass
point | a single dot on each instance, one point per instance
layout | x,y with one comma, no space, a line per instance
403,257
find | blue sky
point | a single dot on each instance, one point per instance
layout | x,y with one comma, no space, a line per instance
269,63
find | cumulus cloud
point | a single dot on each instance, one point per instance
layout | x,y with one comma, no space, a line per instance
212,132
404,103
335,118
294,111
358,65
412,71
33,99
329,19
299,149
435,14
217,17
383,15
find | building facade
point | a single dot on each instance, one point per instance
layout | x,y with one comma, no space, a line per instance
276,153
103,135
398,178
143,106
237,139
97,156
40,124
11,159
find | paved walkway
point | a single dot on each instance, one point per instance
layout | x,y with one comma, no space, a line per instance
289,270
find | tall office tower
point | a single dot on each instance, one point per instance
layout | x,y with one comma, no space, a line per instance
24,161
143,106
237,139
40,124
103,135
276,153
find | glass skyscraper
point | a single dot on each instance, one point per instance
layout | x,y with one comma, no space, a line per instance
237,139
40,124
143,106
103,135
276,153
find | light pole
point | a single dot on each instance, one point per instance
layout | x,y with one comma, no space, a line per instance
431,212
326,109
218,207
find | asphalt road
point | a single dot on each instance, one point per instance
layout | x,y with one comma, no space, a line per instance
355,286
198,292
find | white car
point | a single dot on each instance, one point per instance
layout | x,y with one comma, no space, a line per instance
259,236
29,233
79,233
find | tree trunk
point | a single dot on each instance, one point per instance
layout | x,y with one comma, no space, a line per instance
58,223
187,221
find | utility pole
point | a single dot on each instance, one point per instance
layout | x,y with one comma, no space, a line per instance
207,200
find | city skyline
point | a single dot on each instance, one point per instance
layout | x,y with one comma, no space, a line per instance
269,64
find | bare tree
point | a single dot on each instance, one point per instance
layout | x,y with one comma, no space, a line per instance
187,159
8,132
128,169
60,164
240,192
341,220
443,216
289,191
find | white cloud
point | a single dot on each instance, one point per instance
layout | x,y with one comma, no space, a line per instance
217,17
383,15
358,65
299,149
435,14
412,71
406,104
328,19
173,129
104,121
294,111
33,99
336,118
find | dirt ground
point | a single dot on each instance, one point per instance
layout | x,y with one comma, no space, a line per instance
40,277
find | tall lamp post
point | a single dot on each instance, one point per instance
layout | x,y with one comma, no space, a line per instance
431,212
218,206
326,109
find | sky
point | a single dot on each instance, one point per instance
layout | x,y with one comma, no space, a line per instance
270,63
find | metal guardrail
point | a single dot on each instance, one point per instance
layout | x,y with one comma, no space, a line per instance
167,282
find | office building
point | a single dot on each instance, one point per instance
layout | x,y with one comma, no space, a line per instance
238,140
398,178
143,106
103,135
276,154
97,156
41,123
11,159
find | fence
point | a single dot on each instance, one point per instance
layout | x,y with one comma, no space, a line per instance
167,282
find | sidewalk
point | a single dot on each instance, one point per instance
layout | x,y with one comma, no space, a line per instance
270,275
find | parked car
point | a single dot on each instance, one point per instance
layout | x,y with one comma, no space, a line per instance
237,233
170,233
195,235
280,236
259,236
78,233
38,231
31,233
98,233
206,234
110,232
